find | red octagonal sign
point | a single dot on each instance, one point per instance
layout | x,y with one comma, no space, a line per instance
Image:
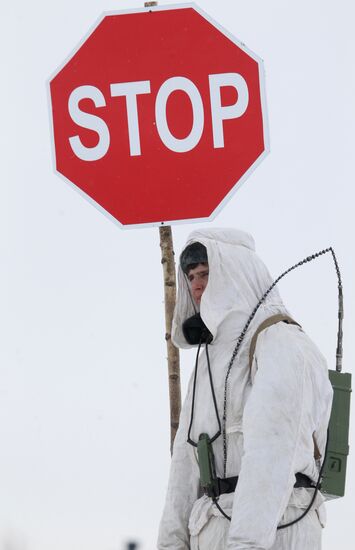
159,115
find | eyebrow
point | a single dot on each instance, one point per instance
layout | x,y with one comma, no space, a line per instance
202,272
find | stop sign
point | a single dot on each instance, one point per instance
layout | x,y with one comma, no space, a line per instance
159,115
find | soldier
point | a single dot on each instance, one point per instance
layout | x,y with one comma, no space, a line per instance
267,423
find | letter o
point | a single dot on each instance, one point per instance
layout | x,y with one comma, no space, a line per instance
167,88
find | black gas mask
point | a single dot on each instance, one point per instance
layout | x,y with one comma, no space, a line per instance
195,331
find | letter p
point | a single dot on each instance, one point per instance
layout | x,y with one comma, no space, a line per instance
221,113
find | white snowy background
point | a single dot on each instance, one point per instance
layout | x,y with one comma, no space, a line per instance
84,422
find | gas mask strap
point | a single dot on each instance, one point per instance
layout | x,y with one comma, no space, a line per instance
218,433
213,397
189,440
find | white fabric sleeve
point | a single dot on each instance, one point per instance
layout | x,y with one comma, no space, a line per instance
272,423
182,491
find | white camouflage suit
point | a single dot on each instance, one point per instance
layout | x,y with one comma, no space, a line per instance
272,413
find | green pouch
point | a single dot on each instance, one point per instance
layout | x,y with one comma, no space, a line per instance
334,473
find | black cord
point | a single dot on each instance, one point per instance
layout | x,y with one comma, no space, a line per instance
215,501
251,317
218,433
316,488
283,526
189,440
235,352
338,366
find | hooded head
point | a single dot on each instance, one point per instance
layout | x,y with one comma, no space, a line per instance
194,264
193,255
237,280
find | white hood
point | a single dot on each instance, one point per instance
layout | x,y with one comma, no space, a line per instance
237,280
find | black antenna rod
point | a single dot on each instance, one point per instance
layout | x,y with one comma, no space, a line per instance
339,352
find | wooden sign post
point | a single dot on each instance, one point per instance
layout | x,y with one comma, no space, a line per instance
168,263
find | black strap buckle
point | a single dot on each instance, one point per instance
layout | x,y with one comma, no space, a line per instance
221,486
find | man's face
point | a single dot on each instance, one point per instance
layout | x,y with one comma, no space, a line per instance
198,279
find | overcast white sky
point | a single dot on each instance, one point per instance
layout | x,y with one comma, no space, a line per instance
83,392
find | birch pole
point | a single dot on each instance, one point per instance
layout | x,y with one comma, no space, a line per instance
168,263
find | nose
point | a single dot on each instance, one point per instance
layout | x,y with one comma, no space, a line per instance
196,284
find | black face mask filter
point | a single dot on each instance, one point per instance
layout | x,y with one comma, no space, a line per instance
195,331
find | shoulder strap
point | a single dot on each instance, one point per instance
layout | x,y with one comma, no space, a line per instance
279,317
